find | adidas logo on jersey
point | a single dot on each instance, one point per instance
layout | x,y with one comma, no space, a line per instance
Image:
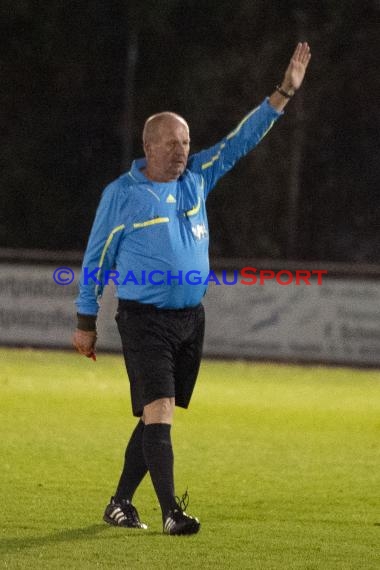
170,199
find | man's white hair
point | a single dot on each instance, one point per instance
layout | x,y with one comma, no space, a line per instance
154,121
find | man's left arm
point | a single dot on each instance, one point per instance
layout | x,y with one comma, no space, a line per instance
216,161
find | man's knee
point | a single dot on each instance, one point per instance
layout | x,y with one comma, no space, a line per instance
159,411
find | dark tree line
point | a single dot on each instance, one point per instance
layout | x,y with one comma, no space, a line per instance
79,79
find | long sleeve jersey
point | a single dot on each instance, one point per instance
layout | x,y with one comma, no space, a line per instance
151,238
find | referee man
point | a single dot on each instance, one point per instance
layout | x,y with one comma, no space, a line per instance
151,222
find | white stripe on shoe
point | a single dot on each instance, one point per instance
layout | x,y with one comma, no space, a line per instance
169,523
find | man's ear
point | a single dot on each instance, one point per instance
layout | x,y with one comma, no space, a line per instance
147,148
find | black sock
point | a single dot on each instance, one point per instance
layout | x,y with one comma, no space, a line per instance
134,468
159,458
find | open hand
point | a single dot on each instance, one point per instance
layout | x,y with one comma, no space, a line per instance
297,67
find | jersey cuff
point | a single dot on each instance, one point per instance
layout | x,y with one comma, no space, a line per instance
86,322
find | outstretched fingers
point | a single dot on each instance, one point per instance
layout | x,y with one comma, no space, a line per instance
304,54
296,53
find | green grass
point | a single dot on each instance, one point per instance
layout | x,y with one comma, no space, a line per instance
282,464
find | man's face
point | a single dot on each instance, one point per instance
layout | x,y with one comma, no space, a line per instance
168,150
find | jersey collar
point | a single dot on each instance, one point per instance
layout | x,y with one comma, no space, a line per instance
136,172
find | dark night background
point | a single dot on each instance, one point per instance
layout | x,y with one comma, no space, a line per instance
78,80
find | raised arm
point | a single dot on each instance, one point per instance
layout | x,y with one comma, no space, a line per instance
217,160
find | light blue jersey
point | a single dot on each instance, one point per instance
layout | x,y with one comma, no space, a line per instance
155,234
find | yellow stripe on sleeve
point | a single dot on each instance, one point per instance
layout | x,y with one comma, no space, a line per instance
235,131
231,135
106,246
268,129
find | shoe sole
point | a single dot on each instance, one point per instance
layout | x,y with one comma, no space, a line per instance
191,529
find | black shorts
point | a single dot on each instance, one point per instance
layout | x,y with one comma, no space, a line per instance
162,351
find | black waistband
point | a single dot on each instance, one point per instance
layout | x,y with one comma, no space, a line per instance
135,306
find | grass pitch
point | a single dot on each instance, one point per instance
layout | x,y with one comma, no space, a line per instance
282,465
